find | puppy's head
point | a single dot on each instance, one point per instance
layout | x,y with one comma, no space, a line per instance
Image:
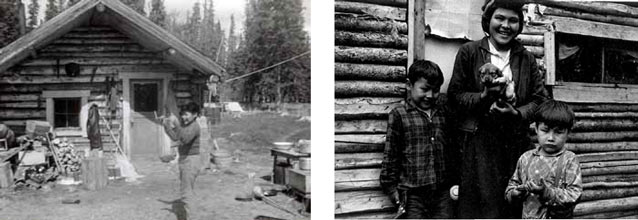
488,72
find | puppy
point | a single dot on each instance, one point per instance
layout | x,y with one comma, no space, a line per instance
492,76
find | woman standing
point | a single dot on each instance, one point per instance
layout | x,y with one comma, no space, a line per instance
493,136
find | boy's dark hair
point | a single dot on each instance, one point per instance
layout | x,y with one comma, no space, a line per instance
491,5
554,114
190,107
425,69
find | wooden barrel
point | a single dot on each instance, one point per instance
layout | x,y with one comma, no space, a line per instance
6,175
94,173
222,158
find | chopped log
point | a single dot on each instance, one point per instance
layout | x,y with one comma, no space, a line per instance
358,185
371,39
607,205
610,170
533,40
603,107
93,61
371,55
397,3
603,136
612,19
369,88
596,8
365,108
608,215
351,71
358,160
608,156
534,29
377,11
94,173
603,164
536,50
366,126
360,201
360,138
353,22
608,193
75,41
611,178
601,147
6,175
341,147
389,214
591,185
631,115
607,125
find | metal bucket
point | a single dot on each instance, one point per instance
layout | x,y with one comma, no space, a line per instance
222,158
304,163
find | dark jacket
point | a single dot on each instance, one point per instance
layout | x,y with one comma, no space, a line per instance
93,128
465,87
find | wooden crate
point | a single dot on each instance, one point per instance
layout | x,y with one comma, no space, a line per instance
299,180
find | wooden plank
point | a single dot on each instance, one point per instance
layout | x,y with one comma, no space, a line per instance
550,57
358,160
608,193
603,136
357,175
421,31
397,3
341,147
371,39
360,138
594,28
369,88
595,94
379,11
602,147
531,40
607,156
366,126
360,201
354,22
365,107
358,185
371,55
606,205
352,71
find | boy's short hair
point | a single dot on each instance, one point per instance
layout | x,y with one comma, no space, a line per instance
425,69
554,114
190,107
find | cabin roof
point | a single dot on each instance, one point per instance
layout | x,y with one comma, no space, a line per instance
117,15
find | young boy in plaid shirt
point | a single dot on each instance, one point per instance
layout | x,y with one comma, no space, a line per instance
414,168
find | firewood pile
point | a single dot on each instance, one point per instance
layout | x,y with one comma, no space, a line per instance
69,160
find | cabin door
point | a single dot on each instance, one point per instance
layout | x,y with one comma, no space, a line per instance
146,132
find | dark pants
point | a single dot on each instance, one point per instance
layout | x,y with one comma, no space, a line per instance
425,203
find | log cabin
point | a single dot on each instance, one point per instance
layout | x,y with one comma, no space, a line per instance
587,51
104,53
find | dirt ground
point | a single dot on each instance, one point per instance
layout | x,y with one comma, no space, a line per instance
154,196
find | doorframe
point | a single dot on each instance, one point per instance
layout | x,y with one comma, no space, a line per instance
126,107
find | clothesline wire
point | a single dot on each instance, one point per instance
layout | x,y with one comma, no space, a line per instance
269,67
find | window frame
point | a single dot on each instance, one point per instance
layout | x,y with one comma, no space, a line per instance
50,95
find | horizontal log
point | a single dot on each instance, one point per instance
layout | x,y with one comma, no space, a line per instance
397,3
603,107
611,178
94,61
367,126
592,185
378,11
357,175
371,55
610,170
358,185
53,80
534,29
608,193
38,88
607,125
111,69
89,35
361,201
532,40
604,8
593,28
360,138
96,55
18,97
80,41
632,115
387,214
365,108
351,71
7,114
607,205
604,164
581,148
608,215
369,88
537,51
612,19
22,105
94,48
607,156
354,22
94,29
341,147
358,160
371,39
603,136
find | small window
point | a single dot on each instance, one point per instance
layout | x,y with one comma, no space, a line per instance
66,112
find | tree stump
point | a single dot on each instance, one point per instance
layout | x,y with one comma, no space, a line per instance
94,173
6,175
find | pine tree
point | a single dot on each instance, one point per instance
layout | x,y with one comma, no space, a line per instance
194,26
61,5
33,9
137,5
9,23
52,10
158,13
232,39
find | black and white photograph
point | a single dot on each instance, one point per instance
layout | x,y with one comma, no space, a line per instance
155,109
496,109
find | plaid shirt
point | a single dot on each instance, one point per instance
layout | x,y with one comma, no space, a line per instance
413,155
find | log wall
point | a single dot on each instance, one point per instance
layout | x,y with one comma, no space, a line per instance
369,72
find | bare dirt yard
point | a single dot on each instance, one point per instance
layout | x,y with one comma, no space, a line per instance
155,195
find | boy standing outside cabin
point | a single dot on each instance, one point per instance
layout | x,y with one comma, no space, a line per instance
187,138
413,168
548,179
